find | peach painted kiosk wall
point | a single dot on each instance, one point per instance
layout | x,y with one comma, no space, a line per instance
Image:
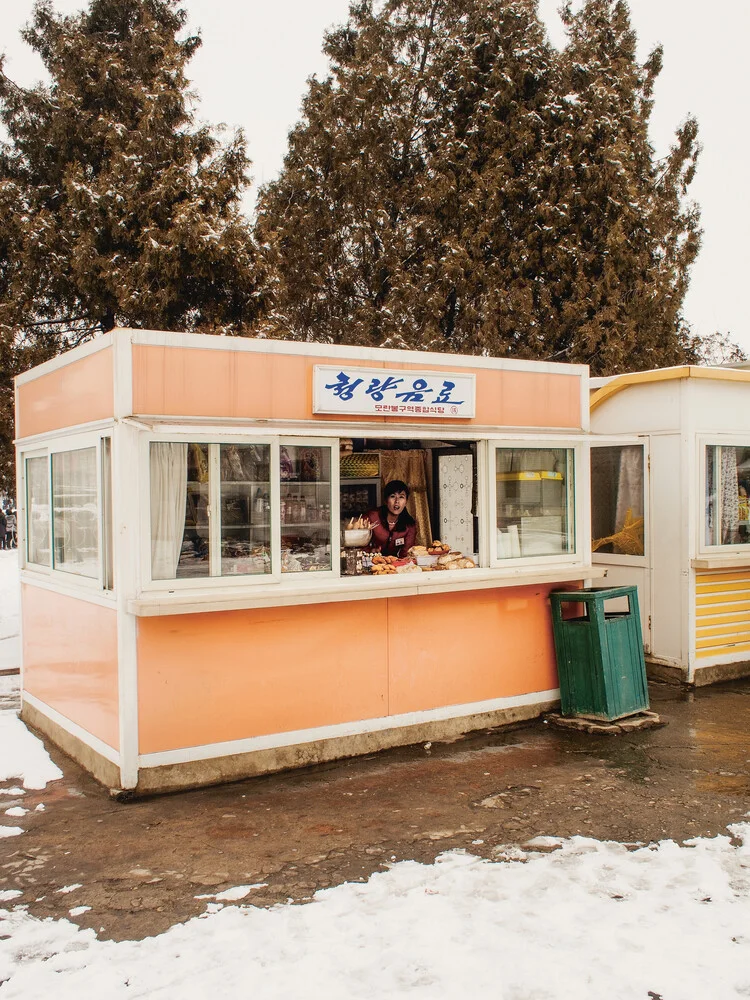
248,655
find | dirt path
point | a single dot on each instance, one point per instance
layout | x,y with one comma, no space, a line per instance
140,866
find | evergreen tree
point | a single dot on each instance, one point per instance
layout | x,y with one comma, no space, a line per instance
130,213
629,236
456,184
378,226
117,209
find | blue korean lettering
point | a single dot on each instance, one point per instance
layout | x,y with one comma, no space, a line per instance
377,388
416,393
444,396
344,387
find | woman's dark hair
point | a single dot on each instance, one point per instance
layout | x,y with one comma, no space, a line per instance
395,486
404,518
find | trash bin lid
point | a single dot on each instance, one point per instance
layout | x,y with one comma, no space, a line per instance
592,593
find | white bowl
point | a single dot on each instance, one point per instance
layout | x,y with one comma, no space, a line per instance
355,538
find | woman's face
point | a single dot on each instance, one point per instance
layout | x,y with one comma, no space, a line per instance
396,503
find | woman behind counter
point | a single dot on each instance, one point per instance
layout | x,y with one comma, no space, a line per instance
394,530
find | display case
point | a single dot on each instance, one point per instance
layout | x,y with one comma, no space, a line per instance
245,509
305,508
358,496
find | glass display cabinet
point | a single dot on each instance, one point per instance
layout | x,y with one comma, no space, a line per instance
305,508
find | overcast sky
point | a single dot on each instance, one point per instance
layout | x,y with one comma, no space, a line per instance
257,55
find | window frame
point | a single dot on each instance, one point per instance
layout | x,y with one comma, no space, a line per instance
213,442
103,582
619,558
576,507
23,509
302,441
579,510
704,442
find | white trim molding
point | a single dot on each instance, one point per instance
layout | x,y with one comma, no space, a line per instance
98,746
296,737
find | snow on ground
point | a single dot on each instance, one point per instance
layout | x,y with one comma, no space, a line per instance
22,755
587,921
10,648
590,920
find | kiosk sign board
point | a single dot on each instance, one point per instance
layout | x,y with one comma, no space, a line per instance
396,393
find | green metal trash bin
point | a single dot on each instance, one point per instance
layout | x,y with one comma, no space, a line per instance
600,654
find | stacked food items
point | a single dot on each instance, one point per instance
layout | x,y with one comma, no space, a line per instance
385,565
422,559
439,556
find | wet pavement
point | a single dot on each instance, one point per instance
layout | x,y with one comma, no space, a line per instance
145,865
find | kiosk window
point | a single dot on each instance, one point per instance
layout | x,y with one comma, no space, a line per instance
726,500
534,502
210,510
38,549
617,499
75,512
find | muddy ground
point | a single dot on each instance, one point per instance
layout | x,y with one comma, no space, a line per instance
142,866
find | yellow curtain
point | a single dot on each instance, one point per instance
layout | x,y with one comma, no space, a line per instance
411,467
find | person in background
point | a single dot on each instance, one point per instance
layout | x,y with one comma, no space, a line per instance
3,523
10,529
394,530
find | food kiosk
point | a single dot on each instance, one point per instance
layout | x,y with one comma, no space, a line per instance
670,470
191,609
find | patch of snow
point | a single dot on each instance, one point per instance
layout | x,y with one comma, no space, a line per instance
589,920
10,831
70,888
23,756
7,894
16,811
544,842
78,910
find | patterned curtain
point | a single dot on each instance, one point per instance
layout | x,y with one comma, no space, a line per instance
730,498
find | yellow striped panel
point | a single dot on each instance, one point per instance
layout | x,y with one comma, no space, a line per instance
706,577
736,586
722,612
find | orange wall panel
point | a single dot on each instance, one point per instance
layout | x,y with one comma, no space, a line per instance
76,393
70,659
185,381
456,649
210,678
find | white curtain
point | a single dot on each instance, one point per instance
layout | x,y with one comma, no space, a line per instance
168,496
37,515
629,485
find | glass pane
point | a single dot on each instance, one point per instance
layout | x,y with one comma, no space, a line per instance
194,560
75,512
37,511
245,509
617,500
305,508
727,489
534,493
